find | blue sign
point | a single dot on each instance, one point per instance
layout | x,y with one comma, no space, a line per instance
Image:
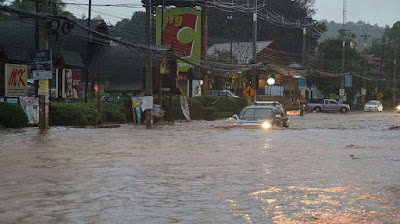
348,81
302,82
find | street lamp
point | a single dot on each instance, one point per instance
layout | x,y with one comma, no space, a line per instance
271,82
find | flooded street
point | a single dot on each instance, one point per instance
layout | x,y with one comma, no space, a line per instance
201,172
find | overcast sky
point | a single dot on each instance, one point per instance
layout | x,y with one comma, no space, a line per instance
382,12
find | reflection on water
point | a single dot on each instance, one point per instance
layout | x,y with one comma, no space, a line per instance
205,172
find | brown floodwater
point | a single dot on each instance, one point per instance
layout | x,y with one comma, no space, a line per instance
201,172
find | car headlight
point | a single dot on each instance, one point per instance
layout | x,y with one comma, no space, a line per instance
398,107
266,125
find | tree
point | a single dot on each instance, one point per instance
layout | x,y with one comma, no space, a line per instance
29,5
133,30
240,28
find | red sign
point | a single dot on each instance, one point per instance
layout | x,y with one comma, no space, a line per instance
71,83
181,76
16,78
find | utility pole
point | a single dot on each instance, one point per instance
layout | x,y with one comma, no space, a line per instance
343,46
42,42
365,36
149,73
394,75
304,46
304,64
159,75
253,77
88,52
204,45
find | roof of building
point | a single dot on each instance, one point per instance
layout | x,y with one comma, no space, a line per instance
72,59
17,38
118,65
242,50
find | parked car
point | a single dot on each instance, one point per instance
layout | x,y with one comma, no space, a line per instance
108,98
221,93
373,105
329,105
263,116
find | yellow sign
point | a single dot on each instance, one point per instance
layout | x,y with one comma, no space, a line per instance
248,92
303,92
163,64
379,95
16,80
43,89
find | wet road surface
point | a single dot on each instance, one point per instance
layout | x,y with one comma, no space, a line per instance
201,172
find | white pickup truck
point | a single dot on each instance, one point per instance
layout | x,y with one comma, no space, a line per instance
328,105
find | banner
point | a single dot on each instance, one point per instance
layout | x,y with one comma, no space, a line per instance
16,80
185,107
54,85
182,31
136,109
71,82
31,107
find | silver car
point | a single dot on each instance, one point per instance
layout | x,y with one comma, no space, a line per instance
263,116
373,105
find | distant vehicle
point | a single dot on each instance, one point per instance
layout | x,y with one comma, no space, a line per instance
373,105
263,116
108,98
329,105
221,93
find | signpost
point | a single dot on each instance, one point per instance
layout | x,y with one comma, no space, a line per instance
43,71
248,92
379,96
43,67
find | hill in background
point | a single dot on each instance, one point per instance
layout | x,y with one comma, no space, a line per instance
359,28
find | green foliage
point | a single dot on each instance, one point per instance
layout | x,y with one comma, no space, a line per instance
113,112
12,116
30,5
291,108
74,114
240,27
132,30
207,107
359,28
81,114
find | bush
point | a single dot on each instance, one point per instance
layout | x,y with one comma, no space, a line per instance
12,116
290,108
81,114
74,114
207,107
113,112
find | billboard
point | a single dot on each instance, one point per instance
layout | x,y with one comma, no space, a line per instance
16,80
182,31
71,82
